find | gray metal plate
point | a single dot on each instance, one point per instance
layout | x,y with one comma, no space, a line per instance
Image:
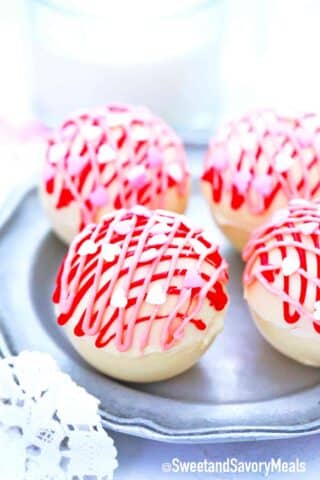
241,389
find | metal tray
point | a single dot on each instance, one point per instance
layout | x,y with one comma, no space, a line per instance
240,390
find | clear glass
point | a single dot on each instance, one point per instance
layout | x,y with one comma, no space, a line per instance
161,54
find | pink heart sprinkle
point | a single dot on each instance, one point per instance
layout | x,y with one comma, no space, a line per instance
304,137
99,197
241,180
220,161
154,158
192,279
262,184
123,227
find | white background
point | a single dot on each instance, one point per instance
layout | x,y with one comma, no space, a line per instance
272,60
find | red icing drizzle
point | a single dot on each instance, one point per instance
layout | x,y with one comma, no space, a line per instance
119,148
250,138
86,288
289,236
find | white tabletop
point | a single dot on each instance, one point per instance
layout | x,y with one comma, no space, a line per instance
142,459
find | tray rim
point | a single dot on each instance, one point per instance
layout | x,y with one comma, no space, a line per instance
145,427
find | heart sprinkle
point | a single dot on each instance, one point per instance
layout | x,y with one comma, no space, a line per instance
154,158
174,171
279,216
110,251
149,255
140,210
106,154
158,239
58,152
137,176
118,299
241,180
263,184
220,161
197,246
192,279
123,227
283,163
290,265
88,248
156,295
308,228
99,197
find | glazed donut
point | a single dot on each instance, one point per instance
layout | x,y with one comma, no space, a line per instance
282,280
256,164
110,158
141,295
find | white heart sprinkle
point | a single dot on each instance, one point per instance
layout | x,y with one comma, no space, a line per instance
316,315
290,265
160,227
109,251
118,119
283,162
249,141
88,248
136,172
140,133
91,132
118,299
123,227
106,154
279,216
156,295
57,152
308,228
140,210
175,171
148,255
197,246
300,202
158,239
77,146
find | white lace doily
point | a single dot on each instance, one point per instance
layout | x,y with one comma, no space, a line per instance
49,426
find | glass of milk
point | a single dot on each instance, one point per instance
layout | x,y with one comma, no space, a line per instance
162,54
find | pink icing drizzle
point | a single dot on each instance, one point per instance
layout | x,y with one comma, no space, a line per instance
82,275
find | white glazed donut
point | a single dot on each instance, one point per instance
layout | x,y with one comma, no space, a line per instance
256,164
141,295
282,280
110,158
